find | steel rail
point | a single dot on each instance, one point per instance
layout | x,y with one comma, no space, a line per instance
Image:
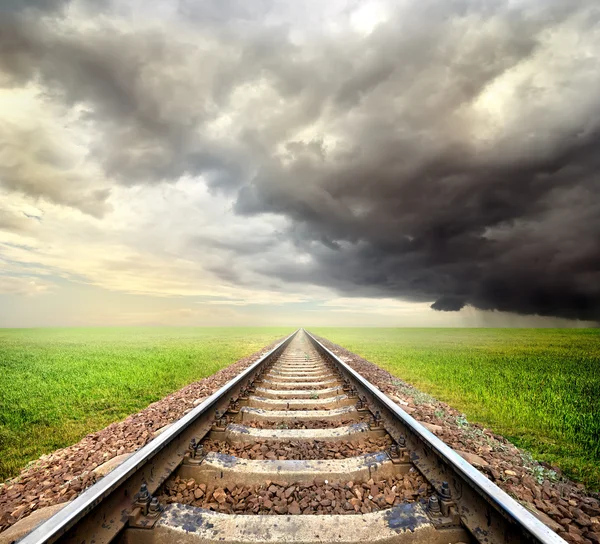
56,526
489,491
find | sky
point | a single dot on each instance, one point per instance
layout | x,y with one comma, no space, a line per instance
299,163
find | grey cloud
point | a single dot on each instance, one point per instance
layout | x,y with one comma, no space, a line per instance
13,6
392,188
145,104
224,11
33,162
152,97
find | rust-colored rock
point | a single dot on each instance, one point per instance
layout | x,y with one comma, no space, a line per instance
110,465
435,429
472,458
547,520
27,524
158,432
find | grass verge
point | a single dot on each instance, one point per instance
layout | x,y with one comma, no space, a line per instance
538,387
57,385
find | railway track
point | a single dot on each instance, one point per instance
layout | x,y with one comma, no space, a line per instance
297,448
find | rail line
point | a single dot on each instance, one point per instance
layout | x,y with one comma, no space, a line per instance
297,448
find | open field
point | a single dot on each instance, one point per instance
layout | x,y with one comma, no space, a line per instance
57,385
538,387
541,388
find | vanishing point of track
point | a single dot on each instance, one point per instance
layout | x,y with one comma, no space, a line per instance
297,448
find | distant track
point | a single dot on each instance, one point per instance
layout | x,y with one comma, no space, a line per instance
297,448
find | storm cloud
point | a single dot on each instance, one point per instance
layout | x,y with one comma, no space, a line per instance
444,151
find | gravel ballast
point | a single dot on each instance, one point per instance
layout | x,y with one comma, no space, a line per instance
297,450
320,497
321,424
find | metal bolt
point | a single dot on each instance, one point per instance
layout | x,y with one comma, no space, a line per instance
433,506
376,419
143,499
402,441
154,508
445,492
373,422
143,494
195,448
394,451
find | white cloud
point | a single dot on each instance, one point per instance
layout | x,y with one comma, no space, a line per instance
23,285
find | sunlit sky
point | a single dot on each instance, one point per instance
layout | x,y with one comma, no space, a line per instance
299,163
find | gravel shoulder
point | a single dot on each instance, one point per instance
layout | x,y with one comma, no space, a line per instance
563,505
60,476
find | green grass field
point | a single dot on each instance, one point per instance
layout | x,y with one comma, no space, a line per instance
538,387
57,385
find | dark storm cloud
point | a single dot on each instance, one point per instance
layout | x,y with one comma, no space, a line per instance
382,150
414,208
448,304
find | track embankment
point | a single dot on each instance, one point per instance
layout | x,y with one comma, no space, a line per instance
299,445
